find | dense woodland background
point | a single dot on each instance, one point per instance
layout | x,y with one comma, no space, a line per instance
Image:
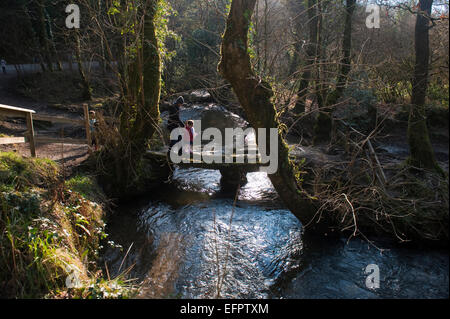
191,31
311,68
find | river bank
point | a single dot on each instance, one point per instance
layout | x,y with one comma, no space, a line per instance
51,231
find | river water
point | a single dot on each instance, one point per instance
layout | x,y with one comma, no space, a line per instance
191,240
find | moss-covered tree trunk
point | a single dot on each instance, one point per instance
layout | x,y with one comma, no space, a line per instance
421,153
149,81
140,115
255,97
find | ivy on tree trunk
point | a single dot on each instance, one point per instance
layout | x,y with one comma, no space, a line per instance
140,114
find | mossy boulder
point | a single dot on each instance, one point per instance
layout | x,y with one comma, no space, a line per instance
358,109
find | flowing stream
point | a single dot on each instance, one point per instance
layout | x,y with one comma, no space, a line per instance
191,240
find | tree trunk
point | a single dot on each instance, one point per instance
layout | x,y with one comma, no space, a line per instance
346,48
102,53
128,173
256,40
148,117
266,40
421,153
324,123
311,53
86,87
255,98
29,26
45,48
52,41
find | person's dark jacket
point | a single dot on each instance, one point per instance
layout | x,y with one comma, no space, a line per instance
174,117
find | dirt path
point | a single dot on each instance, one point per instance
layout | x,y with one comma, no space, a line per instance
69,154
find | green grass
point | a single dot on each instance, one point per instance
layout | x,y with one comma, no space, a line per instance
86,186
21,173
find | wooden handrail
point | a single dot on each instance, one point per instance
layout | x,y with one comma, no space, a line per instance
12,111
55,119
65,140
12,140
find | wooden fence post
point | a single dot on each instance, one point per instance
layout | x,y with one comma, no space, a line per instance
29,117
87,125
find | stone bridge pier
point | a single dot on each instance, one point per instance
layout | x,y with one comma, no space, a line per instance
231,178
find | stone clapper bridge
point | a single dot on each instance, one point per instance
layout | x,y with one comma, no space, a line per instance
233,174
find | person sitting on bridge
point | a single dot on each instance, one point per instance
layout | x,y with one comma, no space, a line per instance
174,119
190,134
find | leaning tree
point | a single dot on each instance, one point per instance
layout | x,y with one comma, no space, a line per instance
255,96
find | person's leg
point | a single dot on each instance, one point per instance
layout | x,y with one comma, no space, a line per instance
180,151
93,142
171,143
